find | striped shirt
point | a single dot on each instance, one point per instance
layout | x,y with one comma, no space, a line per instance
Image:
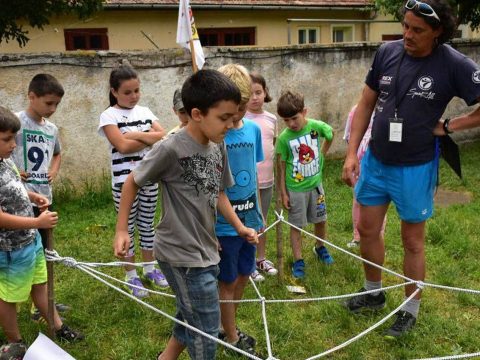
139,118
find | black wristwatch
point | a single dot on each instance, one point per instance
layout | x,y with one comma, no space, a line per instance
446,122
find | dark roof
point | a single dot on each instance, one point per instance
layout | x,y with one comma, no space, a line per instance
242,3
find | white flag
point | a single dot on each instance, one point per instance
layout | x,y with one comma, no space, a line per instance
187,31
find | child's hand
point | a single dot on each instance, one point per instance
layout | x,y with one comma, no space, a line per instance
47,220
249,234
23,175
41,201
286,201
51,176
121,243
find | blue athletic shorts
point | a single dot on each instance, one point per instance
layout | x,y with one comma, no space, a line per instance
236,257
410,188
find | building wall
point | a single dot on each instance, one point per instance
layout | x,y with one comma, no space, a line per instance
330,77
125,28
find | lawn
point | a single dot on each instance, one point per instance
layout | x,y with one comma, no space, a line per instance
449,322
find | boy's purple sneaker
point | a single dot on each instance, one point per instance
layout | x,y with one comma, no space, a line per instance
140,291
156,277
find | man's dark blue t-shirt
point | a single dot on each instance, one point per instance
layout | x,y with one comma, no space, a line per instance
427,85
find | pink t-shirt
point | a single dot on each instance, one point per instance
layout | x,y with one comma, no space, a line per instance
362,148
268,127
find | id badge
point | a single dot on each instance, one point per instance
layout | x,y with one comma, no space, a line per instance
396,128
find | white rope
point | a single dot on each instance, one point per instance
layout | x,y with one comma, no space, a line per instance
52,255
91,273
365,332
463,356
351,254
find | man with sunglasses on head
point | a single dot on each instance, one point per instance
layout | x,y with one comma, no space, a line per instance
409,85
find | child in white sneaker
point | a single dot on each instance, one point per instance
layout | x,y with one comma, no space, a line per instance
130,130
268,127
362,148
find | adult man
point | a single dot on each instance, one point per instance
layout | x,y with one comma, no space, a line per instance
409,85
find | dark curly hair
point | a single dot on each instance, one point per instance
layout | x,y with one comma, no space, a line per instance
448,20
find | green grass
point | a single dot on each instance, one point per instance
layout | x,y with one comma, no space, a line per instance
118,328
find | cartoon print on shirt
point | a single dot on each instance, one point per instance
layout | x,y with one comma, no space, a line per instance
242,195
203,174
305,156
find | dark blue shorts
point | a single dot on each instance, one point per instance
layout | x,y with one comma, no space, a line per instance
237,257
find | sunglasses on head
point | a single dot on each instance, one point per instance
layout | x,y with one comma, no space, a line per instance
422,8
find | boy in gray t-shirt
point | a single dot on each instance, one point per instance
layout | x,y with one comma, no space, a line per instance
192,169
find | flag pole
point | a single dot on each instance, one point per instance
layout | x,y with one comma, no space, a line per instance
192,52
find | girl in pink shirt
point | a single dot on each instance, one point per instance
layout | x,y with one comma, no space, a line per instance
268,126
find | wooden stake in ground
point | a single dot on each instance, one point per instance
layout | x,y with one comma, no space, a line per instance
278,227
50,290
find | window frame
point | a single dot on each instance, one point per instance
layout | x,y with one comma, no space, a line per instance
87,33
307,34
334,27
221,33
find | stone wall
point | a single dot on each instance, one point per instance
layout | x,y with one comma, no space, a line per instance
330,77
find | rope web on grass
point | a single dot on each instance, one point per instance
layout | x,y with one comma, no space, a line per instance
91,268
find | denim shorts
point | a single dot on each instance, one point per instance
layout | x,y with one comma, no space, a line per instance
410,188
197,303
236,257
20,270
307,207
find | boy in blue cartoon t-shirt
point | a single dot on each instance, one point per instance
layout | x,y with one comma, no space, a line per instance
237,256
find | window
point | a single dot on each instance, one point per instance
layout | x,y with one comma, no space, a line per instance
342,33
86,39
391,37
227,36
308,36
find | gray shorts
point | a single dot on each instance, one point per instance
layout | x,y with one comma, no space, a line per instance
307,207
266,198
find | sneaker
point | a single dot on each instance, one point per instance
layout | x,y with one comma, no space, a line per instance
365,302
241,335
13,351
257,277
140,291
298,269
267,267
61,308
69,335
323,255
405,322
353,244
156,277
244,345
38,318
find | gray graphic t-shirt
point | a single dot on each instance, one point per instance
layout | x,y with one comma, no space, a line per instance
36,145
191,176
14,200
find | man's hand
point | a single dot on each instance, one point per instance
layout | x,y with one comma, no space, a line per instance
24,176
249,234
121,243
438,129
351,170
47,220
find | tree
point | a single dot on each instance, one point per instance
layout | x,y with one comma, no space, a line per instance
38,13
468,11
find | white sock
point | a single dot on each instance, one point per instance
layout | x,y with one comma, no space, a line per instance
148,268
373,285
413,306
131,274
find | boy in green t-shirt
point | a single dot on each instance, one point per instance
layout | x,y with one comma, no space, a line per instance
301,175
